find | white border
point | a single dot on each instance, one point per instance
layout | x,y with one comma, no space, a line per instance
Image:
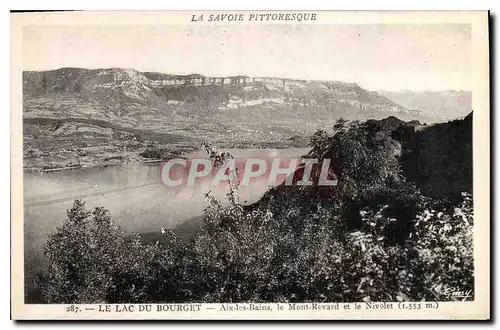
146,4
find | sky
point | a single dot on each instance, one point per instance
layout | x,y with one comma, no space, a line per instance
377,57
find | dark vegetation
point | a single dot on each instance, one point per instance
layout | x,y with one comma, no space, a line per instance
158,153
439,158
374,237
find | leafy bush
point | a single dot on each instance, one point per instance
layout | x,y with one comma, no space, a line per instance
441,248
438,254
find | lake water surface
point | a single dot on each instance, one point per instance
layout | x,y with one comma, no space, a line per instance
133,193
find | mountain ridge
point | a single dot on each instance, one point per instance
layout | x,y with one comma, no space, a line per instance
116,87
234,111
448,103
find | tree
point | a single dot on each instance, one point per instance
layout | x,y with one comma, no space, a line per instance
65,251
88,258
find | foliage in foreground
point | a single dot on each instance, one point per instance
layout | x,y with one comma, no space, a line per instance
257,257
91,261
284,250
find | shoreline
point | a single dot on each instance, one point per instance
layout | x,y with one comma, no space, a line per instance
88,166
134,159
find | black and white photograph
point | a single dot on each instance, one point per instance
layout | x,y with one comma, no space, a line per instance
259,162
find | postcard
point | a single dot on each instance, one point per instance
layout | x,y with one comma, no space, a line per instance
255,165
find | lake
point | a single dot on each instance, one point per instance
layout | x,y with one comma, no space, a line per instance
133,193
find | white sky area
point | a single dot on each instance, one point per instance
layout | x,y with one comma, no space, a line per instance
390,57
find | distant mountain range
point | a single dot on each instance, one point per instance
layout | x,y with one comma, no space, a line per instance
102,107
195,104
448,104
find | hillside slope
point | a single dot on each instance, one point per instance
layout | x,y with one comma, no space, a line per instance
439,158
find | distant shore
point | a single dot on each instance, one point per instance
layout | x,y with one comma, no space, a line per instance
105,159
89,166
